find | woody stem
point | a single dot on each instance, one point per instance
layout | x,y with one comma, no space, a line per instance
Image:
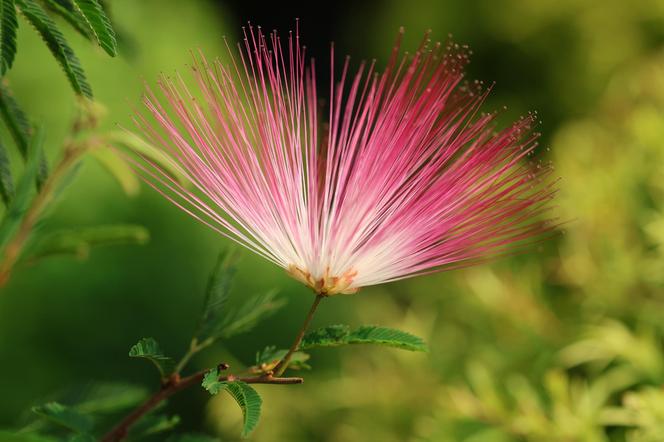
174,385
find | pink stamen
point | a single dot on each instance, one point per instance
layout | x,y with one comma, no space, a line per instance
408,178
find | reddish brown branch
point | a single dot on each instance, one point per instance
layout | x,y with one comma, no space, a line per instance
176,384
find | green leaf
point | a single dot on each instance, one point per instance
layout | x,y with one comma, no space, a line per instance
57,44
42,170
372,334
149,349
89,19
17,122
153,424
61,186
99,24
64,416
67,10
7,436
216,296
119,169
15,119
79,241
250,403
140,148
109,397
219,322
8,26
24,193
336,335
330,336
268,359
191,437
212,383
6,180
82,438
249,314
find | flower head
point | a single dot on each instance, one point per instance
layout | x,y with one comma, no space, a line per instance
408,177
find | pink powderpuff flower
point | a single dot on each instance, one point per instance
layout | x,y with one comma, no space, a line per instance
407,178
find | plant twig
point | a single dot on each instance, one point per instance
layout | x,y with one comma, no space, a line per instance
176,384
15,246
283,364
194,347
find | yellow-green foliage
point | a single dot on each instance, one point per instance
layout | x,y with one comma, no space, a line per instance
561,344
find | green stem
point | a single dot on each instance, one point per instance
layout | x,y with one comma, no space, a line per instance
194,347
283,364
15,246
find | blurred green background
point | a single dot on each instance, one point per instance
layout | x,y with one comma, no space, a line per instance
560,344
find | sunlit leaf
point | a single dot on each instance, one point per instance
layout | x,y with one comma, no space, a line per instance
212,383
57,44
249,401
371,334
67,10
148,348
99,24
329,336
336,335
119,169
269,357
